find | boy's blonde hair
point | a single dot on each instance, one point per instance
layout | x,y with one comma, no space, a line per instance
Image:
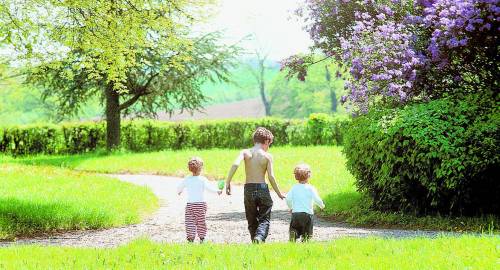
195,164
261,135
302,172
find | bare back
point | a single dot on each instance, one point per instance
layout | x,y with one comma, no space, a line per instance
256,162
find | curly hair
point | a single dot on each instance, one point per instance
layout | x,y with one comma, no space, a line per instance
195,164
261,135
302,172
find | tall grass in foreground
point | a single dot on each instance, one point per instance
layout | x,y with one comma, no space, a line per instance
43,199
465,252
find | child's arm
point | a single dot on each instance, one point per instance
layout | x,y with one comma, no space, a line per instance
272,179
289,199
232,171
210,187
317,200
181,187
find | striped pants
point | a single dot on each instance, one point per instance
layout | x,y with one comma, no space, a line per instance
195,220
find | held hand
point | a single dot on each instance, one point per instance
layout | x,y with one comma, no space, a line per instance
228,188
282,196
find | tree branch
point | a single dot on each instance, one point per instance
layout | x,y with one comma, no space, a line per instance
145,86
142,92
321,60
131,101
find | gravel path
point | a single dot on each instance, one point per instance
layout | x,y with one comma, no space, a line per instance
225,218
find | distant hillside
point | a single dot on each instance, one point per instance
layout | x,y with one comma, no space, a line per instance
242,87
251,108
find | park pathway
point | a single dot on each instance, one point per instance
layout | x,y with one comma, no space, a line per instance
225,218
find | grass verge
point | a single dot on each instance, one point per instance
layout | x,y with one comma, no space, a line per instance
36,200
328,164
330,176
466,252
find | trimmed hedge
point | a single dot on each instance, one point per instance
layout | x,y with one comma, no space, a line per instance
442,156
319,129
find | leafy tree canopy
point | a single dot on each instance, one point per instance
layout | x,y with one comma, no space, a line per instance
108,35
319,92
137,55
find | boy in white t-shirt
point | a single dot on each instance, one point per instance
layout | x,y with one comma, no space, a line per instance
300,200
196,207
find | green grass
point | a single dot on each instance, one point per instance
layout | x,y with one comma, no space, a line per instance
36,200
465,252
330,176
328,164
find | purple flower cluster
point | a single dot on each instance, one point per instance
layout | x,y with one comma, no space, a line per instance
401,49
383,58
454,23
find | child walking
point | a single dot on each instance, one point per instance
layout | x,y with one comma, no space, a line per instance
300,200
196,207
257,199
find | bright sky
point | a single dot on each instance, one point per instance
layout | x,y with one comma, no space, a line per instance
278,31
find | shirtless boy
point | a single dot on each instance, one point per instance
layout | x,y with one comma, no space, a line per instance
257,199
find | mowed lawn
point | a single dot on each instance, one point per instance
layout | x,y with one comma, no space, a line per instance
37,200
327,162
466,252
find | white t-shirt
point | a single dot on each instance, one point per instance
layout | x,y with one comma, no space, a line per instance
301,198
195,185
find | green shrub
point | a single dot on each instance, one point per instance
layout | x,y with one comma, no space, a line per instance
441,156
139,136
320,129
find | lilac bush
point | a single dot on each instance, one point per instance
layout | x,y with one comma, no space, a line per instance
401,50
461,41
383,59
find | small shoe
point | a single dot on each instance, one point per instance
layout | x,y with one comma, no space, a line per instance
257,240
202,240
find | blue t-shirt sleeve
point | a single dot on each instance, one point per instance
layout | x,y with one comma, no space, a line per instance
317,200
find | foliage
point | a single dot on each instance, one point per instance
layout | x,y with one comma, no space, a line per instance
108,36
155,135
240,87
399,51
320,129
20,104
36,200
127,52
465,252
382,59
23,104
436,157
293,98
158,82
259,71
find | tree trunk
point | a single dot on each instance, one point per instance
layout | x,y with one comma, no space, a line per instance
333,96
112,118
333,99
266,103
